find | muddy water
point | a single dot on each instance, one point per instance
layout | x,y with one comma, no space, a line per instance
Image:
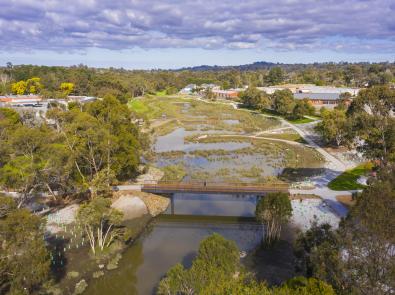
172,239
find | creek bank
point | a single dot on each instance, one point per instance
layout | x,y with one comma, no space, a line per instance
77,264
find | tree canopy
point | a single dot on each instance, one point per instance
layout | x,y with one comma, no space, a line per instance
273,210
24,259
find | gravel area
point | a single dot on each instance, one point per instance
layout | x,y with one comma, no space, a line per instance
65,215
306,211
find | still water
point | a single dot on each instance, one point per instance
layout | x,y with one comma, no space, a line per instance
172,239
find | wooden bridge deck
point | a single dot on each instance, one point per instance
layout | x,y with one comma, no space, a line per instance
213,188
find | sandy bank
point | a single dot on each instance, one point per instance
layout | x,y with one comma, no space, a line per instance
154,204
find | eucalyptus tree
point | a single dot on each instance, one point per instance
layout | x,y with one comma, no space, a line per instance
99,222
24,258
372,116
273,210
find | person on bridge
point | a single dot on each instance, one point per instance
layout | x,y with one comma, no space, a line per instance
205,183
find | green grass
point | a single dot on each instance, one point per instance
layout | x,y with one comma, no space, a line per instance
138,106
287,136
348,179
161,93
300,121
303,120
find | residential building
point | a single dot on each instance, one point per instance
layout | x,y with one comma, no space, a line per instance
188,89
226,94
20,100
82,99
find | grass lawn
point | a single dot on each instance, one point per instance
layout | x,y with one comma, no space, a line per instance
161,93
296,121
138,106
301,120
348,179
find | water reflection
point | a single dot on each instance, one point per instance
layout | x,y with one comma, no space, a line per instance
171,241
174,141
215,204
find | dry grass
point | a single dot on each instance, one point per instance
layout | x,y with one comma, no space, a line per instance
346,200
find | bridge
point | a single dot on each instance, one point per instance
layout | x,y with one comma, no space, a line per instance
205,187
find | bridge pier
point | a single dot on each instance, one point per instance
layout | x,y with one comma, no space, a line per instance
172,204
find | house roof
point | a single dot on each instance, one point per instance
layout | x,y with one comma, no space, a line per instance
19,98
317,96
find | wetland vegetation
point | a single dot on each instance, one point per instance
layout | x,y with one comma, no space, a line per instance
201,140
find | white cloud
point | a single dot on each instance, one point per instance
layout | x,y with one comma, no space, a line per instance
236,24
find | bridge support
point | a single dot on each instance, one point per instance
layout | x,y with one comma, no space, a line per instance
172,204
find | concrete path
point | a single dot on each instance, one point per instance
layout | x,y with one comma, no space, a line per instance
128,187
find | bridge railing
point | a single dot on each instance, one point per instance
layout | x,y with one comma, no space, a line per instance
207,186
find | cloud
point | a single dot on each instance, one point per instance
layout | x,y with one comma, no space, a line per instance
339,25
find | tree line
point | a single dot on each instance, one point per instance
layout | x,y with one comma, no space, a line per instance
282,102
124,84
81,150
368,124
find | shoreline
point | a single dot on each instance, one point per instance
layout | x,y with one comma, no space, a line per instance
82,267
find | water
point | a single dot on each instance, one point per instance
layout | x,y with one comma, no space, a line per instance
222,168
175,141
175,239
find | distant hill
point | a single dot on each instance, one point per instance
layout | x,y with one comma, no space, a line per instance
259,65
264,65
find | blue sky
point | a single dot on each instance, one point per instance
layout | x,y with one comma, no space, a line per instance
137,34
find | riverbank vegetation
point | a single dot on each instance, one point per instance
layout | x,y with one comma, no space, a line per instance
24,258
274,210
217,270
80,150
293,156
357,258
99,222
173,173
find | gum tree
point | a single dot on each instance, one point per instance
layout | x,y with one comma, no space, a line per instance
99,221
273,210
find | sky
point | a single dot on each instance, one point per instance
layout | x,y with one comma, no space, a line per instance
151,34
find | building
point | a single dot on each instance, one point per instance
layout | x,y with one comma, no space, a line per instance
188,89
226,94
211,86
310,88
81,99
20,100
328,100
